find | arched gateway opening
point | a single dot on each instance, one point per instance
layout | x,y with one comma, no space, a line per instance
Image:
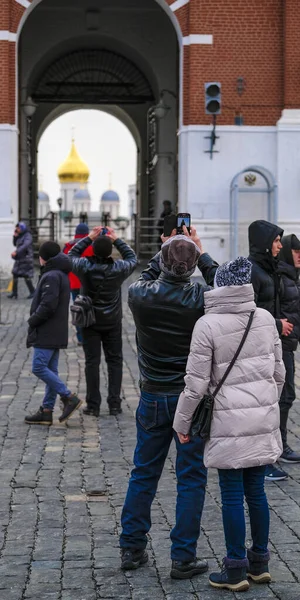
123,57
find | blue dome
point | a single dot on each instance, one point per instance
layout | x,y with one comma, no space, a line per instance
82,195
110,196
43,197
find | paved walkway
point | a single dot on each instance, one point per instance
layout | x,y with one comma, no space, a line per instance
62,490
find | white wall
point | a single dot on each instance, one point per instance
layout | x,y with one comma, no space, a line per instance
8,194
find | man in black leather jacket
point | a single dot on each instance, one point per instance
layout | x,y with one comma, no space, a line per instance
288,268
101,278
166,304
265,245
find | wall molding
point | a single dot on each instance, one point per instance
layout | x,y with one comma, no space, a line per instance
24,3
8,127
229,129
7,36
178,4
196,38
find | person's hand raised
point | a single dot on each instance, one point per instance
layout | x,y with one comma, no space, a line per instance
96,231
111,234
166,238
193,236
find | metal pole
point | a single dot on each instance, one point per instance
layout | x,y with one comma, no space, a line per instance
235,219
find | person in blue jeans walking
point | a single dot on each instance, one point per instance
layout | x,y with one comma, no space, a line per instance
245,434
166,304
48,333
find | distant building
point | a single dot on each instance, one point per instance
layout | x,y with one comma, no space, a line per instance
110,204
43,204
74,175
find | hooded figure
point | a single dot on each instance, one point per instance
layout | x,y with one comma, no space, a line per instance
288,267
265,278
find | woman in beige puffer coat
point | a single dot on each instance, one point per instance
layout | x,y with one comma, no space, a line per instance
245,433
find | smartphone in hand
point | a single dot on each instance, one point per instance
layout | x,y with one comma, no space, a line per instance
181,220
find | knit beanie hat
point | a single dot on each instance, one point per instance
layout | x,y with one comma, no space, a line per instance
102,246
234,272
82,229
49,250
179,256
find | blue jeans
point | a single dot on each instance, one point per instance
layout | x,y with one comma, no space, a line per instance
235,484
154,420
45,367
74,294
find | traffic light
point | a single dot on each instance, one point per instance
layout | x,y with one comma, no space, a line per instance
212,98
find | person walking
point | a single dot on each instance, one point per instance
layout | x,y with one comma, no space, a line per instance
288,268
101,277
244,435
48,333
23,257
82,230
265,245
166,304
167,210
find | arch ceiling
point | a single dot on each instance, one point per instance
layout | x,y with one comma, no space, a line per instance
92,76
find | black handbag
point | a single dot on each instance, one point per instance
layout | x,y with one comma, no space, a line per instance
202,416
82,309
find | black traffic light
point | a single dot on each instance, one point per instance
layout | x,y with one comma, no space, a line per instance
213,98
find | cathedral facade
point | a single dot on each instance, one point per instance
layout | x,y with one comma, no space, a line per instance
208,90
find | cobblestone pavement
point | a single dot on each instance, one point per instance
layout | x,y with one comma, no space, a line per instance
62,490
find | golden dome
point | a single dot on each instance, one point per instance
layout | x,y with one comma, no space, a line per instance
73,169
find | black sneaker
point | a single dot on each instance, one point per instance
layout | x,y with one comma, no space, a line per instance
133,559
91,412
41,417
71,403
115,410
289,455
13,296
188,569
274,473
234,579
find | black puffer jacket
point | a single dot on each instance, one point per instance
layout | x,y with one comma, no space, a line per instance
265,277
49,312
105,276
165,310
289,293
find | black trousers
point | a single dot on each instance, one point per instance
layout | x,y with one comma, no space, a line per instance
288,393
111,340
28,282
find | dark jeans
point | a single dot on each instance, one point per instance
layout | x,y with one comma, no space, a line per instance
74,294
111,340
28,282
235,484
45,367
288,393
154,420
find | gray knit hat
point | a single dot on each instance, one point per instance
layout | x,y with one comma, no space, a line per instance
179,256
234,272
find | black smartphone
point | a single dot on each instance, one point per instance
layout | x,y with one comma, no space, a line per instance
104,231
181,220
170,222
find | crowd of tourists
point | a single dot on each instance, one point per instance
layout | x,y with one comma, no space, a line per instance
228,344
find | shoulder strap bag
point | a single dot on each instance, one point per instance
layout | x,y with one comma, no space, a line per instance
82,309
202,417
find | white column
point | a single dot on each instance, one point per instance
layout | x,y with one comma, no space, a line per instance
288,170
9,193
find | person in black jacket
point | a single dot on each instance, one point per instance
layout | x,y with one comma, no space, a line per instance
166,304
101,278
288,268
48,333
23,257
265,245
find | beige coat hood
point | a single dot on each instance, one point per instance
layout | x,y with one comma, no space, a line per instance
245,425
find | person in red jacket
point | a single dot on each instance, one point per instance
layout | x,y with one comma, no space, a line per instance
81,232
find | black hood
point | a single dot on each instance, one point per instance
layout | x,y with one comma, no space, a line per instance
261,237
60,262
285,254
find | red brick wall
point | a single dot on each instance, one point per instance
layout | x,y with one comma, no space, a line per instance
247,42
292,54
